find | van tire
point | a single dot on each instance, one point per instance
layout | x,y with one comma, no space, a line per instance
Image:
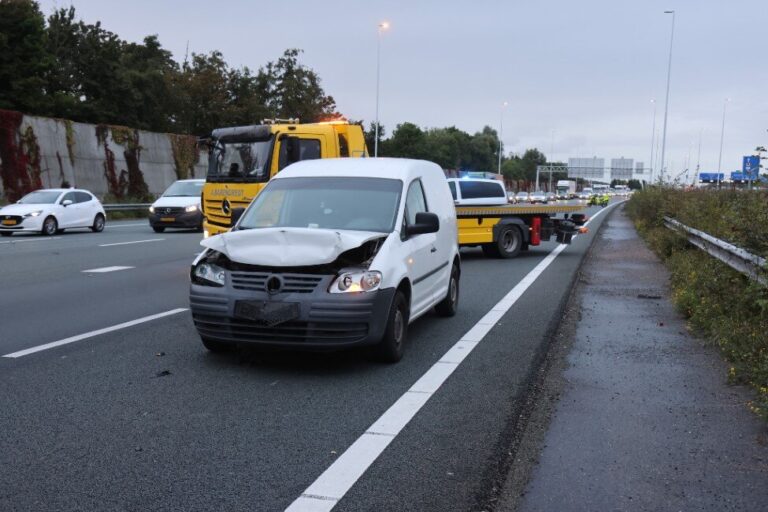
158,229
390,348
215,346
450,304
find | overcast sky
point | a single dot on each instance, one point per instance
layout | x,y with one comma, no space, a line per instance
584,71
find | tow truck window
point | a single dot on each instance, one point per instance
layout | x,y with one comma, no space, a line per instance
480,189
294,149
240,161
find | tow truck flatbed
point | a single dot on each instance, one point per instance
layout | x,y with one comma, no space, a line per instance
513,209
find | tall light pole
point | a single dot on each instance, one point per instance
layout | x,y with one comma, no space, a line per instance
722,136
653,137
384,25
501,131
666,101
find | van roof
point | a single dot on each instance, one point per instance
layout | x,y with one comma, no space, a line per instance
397,168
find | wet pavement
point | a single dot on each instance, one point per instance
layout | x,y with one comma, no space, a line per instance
645,420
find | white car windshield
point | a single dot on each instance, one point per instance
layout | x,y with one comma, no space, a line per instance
359,204
40,197
184,189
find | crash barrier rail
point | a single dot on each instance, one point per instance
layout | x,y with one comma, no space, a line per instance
126,207
751,265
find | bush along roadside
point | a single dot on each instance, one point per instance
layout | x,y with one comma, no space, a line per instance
720,304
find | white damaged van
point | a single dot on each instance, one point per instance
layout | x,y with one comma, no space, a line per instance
333,253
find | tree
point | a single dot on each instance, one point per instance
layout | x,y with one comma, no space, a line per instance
407,141
23,56
294,90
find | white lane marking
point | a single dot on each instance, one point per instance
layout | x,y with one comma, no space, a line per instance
145,224
31,240
133,242
330,487
91,334
105,269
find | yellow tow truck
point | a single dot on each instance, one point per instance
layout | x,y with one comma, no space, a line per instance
242,160
502,230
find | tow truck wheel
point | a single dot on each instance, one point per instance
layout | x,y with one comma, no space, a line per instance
510,242
390,349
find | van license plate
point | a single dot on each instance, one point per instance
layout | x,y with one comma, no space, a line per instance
267,313
168,219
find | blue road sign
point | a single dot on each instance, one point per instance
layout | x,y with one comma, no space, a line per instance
751,167
711,177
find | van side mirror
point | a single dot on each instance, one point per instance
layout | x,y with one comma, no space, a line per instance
236,214
426,222
66,202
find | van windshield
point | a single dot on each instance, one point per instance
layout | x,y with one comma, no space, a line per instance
358,204
184,189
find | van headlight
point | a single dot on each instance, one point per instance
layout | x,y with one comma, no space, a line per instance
361,281
208,274
192,208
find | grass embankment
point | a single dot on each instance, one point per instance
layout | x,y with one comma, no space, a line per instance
721,304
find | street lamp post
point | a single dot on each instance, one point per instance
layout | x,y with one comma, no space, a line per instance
653,137
384,25
666,101
501,132
722,137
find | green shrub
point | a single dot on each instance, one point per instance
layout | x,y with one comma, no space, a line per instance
721,304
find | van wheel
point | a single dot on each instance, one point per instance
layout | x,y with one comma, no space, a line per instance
390,349
158,229
215,346
449,305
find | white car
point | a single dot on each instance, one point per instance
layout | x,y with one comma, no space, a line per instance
332,254
471,191
52,210
178,207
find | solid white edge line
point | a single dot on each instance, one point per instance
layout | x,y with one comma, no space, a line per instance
334,483
91,334
133,242
33,240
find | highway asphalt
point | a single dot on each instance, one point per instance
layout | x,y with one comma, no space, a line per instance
142,417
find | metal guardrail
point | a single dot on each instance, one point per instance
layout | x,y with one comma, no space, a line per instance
737,258
126,207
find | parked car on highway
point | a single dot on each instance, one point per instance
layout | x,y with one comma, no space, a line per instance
538,197
178,207
522,197
332,254
467,192
52,210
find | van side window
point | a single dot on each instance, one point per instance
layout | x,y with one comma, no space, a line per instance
294,149
452,186
415,202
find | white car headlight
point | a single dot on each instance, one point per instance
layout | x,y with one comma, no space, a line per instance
33,214
192,208
209,274
361,281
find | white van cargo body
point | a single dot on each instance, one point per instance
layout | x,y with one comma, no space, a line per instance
332,253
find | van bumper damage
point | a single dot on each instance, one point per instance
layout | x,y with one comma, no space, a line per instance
303,316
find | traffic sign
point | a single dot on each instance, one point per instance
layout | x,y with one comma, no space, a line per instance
751,167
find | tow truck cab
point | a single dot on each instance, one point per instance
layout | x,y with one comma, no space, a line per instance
242,159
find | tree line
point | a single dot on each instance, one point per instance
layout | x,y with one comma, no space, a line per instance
63,67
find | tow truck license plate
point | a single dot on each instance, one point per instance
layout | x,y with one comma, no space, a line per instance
168,219
267,313
9,222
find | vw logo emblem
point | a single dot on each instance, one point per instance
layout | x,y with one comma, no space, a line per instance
274,284
225,207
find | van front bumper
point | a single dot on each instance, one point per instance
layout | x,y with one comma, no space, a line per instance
324,320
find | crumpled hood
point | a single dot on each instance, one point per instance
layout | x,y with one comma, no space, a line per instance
287,247
23,209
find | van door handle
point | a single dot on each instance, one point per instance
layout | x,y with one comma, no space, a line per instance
434,249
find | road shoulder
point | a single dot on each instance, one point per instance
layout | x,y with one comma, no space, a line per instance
632,412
